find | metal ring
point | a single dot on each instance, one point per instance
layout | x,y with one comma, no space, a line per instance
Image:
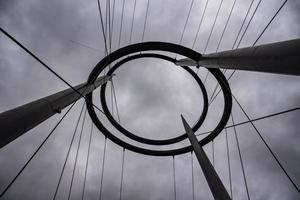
135,137
158,46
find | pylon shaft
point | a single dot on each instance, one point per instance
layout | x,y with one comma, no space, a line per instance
280,57
214,182
17,121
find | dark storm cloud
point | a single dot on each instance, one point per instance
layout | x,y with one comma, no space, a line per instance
153,92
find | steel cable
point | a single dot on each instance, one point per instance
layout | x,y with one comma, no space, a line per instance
200,24
145,22
87,162
67,156
76,157
228,163
240,157
132,22
268,147
256,119
255,42
174,177
36,151
122,173
102,171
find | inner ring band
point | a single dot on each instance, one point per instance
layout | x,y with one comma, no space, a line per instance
135,137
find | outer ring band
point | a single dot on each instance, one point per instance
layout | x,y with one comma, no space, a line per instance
158,46
135,137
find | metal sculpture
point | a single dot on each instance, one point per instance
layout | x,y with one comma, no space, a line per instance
140,48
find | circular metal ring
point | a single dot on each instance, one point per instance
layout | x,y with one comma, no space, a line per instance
135,137
158,46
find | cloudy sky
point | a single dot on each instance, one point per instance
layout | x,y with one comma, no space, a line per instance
151,96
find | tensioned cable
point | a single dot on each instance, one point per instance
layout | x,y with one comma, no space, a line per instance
270,21
210,34
185,24
207,42
228,162
213,152
226,24
186,21
67,156
121,26
193,182
260,35
113,94
242,37
111,29
251,121
84,45
122,173
102,25
246,16
200,24
174,177
256,119
109,25
214,91
115,98
46,66
87,161
36,151
110,35
112,24
240,156
268,147
238,35
213,99
110,41
132,22
104,28
104,37
213,26
145,22
102,170
104,31
63,38
249,22
221,39
76,157
111,98
205,76
106,23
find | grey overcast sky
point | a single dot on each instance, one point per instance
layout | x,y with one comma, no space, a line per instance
151,95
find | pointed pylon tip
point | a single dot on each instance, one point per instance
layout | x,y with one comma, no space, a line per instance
185,124
182,118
